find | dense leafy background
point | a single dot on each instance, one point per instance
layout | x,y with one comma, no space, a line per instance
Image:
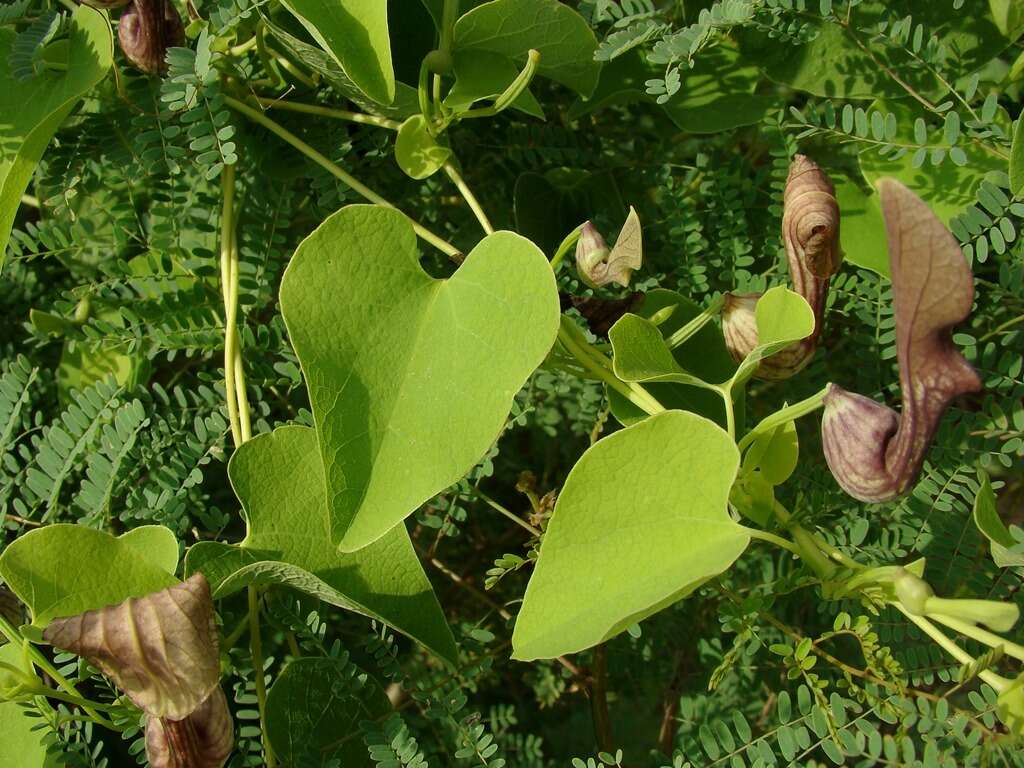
111,380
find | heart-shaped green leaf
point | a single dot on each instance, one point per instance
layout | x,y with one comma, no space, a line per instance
513,27
34,109
410,378
278,478
355,33
107,569
641,522
22,743
314,710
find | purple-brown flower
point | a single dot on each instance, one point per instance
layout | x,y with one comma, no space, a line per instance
875,454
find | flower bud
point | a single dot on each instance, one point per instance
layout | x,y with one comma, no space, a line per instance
739,327
912,591
146,29
598,266
874,454
739,323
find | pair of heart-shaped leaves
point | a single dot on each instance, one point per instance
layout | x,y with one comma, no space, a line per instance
410,380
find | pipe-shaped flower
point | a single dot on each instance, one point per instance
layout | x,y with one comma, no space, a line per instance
146,29
875,454
161,650
810,231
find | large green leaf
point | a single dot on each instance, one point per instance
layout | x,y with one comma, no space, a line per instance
641,522
836,62
948,188
63,570
410,378
717,94
314,710
512,27
355,32
34,109
703,355
279,480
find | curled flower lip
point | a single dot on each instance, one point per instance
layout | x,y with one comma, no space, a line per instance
874,453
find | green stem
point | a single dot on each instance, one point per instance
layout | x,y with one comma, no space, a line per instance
43,663
31,200
449,14
688,330
991,639
512,92
806,543
337,114
730,413
227,235
636,394
963,657
507,513
469,197
566,245
757,533
358,187
783,415
256,648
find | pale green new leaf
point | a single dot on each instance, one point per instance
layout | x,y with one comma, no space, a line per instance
986,518
774,453
512,27
314,710
355,32
278,478
783,316
410,378
641,354
32,110
107,569
418,153
703,355
641,522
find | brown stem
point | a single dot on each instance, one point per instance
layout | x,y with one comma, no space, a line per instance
599,700
670,706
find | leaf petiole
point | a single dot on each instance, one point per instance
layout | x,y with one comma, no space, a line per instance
680,336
